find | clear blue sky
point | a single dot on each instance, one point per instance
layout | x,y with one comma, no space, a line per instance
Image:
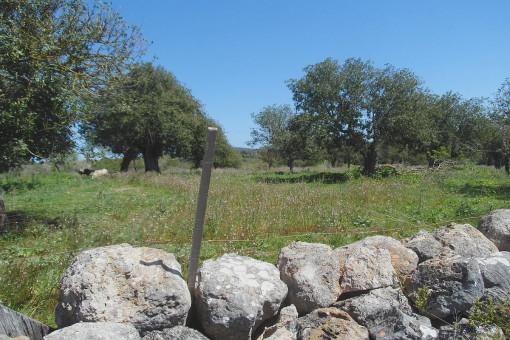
235,56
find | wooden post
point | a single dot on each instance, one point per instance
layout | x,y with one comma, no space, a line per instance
207,163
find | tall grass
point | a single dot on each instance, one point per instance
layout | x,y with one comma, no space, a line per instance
56,215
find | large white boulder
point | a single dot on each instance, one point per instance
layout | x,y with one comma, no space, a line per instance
235,294
142,286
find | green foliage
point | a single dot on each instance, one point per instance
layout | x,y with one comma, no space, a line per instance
356,107
490,312
283,135
149,112
12,182
51,52
422,300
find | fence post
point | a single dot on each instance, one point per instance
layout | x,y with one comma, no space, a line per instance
207,163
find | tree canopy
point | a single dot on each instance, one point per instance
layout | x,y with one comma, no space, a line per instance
51,52
149,112
359,106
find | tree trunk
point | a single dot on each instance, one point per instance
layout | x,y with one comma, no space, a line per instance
290,164
128,157
370,161
507,166
333,162
150,159
3,214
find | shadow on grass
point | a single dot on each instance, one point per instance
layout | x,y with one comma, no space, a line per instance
501,192
18,221
305,177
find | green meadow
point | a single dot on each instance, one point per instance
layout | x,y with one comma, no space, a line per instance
54,216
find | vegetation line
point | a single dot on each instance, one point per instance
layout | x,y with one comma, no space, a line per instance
353,232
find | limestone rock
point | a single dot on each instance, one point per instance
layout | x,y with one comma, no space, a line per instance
235,294
142,286
96,331
464,240
496,227
404,260
329,323
386,313
177,332
285,326
424,245
365,268
453,284
312,273
495,270
15,324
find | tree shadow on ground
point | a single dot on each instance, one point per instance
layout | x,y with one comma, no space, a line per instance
500,192
18,221
304,177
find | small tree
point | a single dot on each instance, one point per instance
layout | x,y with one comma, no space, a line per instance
282,135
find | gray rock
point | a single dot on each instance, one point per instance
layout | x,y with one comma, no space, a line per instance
285,326
5,337
495,270
404,260
235,294
464,240
464,330
452,284
16,324
312,273
365,268
496,227
386,312
95,331
142,286
329,323
177,332
424,245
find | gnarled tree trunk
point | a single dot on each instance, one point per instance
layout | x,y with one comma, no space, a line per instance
150,158
128,157
370,161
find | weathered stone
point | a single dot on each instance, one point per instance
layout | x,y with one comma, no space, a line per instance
96,331
404,260
365,268
424,245
5,337
451,284
235,294
464,240
329,323
464,330
386,314
15,324
312,273
142,286
285,326
496,227
177,332
495,270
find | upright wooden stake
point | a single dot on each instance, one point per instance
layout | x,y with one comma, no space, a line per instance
205,180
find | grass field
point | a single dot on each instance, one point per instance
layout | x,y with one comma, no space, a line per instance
56,215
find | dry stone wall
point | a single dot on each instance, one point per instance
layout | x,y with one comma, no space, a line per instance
365,290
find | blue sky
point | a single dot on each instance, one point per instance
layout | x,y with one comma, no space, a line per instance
236,56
